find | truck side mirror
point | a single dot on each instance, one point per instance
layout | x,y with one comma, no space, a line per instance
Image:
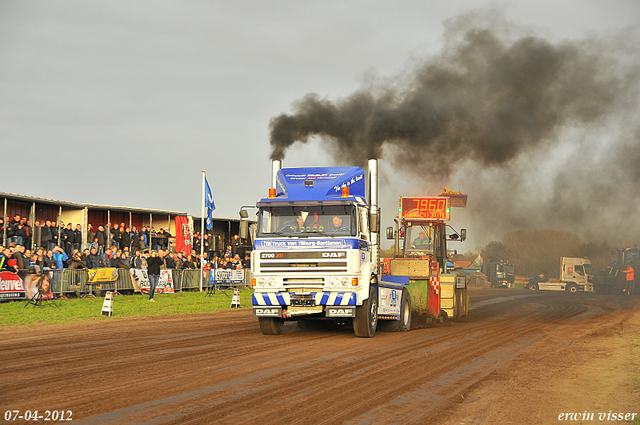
463,235
244,225
389,232
244,229
374,222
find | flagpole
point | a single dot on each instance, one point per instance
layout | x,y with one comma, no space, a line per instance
202,230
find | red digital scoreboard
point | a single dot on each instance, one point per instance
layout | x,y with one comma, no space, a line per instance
417,208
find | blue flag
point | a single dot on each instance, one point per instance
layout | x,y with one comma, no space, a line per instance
209,204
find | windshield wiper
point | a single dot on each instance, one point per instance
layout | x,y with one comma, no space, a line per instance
272,233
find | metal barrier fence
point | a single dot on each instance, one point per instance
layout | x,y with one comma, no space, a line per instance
75,281
190,280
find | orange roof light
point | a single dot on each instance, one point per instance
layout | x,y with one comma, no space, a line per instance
345,191
272,193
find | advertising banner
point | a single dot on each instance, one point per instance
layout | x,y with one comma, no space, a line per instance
226,276
102,275
24,285
141,281
11,287
184,234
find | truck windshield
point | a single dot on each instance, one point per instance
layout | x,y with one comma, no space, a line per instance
333,220
509,269
632,256
588,269
419,240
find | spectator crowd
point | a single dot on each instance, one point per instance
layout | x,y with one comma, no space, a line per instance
60,247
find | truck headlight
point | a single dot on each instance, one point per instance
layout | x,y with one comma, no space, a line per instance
335,281
345,281
272,282
262,282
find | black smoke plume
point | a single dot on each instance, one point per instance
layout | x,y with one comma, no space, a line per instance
479,112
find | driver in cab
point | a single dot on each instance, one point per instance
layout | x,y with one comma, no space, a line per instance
337,225
299,225
422,241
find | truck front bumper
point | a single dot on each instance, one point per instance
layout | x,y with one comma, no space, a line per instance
290,304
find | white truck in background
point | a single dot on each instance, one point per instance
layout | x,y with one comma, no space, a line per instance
576,274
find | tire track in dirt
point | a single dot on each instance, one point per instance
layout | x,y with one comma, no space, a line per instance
482,344
390,362
219,368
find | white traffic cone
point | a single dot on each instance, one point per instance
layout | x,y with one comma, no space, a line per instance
107,306
235,301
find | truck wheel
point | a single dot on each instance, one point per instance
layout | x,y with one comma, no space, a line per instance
366,320
532,286
271,325
404,324
572,287
405,311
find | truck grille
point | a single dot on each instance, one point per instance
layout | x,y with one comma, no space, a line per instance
304,267
303,262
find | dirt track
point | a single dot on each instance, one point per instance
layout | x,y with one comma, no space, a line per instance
519,357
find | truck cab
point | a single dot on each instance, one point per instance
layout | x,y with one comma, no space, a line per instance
500,274
423,240
576,275
315,258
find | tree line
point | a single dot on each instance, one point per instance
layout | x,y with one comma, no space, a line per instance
535,252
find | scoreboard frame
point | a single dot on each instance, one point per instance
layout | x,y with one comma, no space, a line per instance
424,208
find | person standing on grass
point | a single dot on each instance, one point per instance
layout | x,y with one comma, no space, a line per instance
153,269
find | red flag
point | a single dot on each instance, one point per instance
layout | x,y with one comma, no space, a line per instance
184,234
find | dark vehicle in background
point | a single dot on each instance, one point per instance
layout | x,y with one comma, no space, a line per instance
613,280
500,274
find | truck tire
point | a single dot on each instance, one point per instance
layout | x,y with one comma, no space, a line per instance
366,320
404,324
571,287
271,325
532,286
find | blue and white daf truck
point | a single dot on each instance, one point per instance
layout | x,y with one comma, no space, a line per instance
315,255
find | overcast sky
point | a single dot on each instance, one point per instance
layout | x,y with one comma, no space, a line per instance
125,103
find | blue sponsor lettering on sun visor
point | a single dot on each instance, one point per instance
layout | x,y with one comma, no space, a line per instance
318,183
282,243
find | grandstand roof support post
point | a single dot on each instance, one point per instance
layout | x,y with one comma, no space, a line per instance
59,231
32,220
169,239
85,228
4,217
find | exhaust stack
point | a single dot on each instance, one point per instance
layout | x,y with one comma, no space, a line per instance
374,215
276,165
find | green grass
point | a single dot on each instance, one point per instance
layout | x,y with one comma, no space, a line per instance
14,313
